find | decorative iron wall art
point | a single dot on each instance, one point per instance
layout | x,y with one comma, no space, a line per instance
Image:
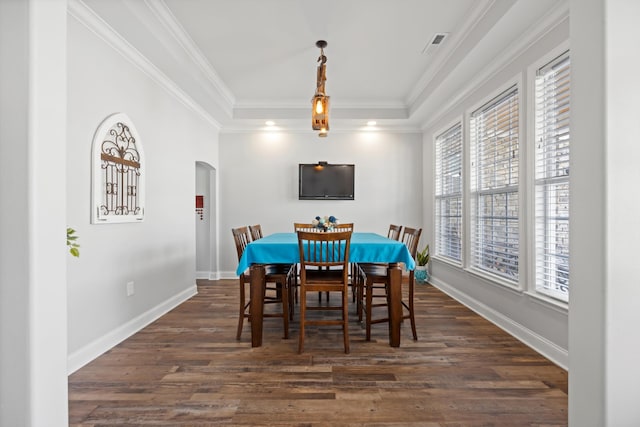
118,172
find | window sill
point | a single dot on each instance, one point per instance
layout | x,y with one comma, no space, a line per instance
490,279
495,280
557,305
448,261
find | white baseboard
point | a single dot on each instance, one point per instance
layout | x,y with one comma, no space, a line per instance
81,357
207,275
227,275
553,352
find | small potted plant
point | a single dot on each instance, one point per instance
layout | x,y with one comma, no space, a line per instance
422,258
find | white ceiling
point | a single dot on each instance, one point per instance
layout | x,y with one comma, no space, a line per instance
247,61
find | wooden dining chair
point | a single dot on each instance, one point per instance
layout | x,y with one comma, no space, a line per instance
311,228
352,266
298,226
256,231
256,234
393,233
278,279
374,285
324,264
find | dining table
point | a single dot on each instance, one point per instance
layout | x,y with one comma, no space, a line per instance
282,248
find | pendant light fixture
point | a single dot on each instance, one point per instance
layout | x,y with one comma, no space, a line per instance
320,101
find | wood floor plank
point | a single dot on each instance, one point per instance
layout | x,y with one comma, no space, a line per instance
187,369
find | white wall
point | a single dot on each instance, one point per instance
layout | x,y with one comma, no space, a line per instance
604,318
587,342
623,226
33,386
259,182
14,229
158,255
541,325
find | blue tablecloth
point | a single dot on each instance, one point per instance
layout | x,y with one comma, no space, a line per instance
282,248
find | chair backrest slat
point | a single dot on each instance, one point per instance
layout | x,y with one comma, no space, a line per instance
411,237
324,249
241,238
303,226
395,231
343,227
256,232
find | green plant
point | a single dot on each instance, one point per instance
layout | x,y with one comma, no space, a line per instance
71,242
423,257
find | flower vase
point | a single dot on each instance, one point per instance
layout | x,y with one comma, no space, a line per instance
421,274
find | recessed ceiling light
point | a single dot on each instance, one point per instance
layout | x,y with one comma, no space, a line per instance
270,123
372,123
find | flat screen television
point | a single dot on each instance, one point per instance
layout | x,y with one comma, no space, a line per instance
324,181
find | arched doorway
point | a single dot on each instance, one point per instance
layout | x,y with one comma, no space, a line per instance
206,222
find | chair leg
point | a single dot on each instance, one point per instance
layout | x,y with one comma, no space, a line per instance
320,296
345,319
295,287
285,307
359,296
293,296
354,267
303,313
241,314
412,311
367,308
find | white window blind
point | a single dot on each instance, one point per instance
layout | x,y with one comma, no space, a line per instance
448,193
552,96
494,194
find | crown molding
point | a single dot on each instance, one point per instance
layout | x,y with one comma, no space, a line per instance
87,17
535,32
168,20
455,41
296,111
305,129
164,26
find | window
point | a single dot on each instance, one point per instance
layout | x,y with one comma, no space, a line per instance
552,138
448,194
494,196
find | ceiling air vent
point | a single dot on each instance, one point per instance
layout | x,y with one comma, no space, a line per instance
435,42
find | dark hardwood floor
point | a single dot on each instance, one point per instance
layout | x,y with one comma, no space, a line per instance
187,369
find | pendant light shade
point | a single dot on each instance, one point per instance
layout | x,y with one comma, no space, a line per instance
320,100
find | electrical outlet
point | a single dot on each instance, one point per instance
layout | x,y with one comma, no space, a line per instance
130,289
